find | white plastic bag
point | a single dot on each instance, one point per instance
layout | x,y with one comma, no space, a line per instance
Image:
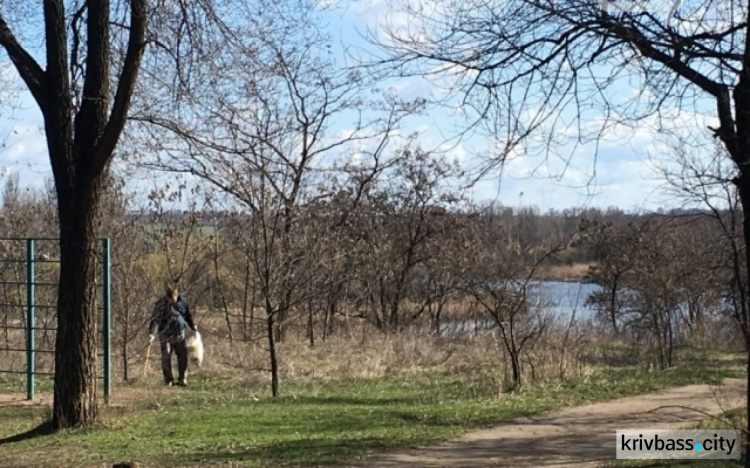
194,344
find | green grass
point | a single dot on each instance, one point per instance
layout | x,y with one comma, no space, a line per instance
223,421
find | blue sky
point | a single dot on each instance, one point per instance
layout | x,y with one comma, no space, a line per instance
621,171
619,174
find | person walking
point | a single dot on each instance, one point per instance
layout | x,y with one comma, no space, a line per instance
169,320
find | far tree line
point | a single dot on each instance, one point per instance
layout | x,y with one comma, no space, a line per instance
403,253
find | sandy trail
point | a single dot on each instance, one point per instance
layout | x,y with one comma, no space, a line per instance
581,436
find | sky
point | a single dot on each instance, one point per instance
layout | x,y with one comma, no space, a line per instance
620,172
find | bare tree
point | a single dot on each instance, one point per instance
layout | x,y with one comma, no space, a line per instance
406,215
84,115
94,53
439,280
500,281
663,282
530,66
613,250
261,135
704,183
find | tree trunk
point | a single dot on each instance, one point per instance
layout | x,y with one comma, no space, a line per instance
245,291
747,408
271,329
515,363
743,185
283,316
670,339
125,340
439,313
220,287
75,399
278,329
80,143
513,353
613,308
327,320
310,324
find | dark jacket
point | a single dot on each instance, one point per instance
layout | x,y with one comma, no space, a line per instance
163,316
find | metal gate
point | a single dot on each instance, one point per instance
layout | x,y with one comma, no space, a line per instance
29,273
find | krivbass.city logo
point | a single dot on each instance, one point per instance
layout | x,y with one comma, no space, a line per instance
670,445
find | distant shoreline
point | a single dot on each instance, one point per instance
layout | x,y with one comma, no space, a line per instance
573,273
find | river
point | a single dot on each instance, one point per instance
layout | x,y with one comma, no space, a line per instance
559,298
563,297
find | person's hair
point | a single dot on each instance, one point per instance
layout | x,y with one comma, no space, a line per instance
170,290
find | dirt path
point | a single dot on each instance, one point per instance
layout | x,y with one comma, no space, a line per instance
581,436
122,396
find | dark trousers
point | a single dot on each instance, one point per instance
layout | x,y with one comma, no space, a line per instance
180,350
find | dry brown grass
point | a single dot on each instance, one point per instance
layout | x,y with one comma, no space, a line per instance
367,353
573,272
362,352
357,352
13,340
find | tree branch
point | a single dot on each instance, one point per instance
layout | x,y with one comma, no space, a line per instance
92,116
639,41
58,112
30,71
57,50
125,86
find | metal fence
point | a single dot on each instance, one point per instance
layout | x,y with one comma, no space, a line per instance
29,273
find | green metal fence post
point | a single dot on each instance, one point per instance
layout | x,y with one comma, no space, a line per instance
106,309
30,322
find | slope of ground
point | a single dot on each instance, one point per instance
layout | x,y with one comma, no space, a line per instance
582,436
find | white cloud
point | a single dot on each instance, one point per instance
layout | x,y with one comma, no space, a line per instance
618,172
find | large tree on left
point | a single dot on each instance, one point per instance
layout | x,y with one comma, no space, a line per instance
84,109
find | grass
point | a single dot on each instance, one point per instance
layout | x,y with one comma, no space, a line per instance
572,272
11,383
226,422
